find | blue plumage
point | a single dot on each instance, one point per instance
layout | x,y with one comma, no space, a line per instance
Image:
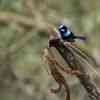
67,35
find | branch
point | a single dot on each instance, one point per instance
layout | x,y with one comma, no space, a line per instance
58,77
23,20
37,21
87,83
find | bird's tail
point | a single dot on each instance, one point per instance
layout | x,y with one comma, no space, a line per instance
80,37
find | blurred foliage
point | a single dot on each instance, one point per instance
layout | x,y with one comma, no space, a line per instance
23,36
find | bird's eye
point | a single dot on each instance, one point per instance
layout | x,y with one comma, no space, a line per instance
62,30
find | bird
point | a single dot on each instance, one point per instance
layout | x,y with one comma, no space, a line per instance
66,34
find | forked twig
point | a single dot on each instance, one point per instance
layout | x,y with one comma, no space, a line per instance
58,77
85,80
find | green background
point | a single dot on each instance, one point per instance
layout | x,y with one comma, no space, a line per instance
23,37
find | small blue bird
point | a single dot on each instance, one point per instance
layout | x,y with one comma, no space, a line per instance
67,35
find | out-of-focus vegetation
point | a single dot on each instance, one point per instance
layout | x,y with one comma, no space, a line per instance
23,36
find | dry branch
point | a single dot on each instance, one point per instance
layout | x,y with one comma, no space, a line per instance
85,80
23,21
58,77
12,17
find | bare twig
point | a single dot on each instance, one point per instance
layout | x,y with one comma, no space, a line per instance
9,17
23,21
59,78
85,79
